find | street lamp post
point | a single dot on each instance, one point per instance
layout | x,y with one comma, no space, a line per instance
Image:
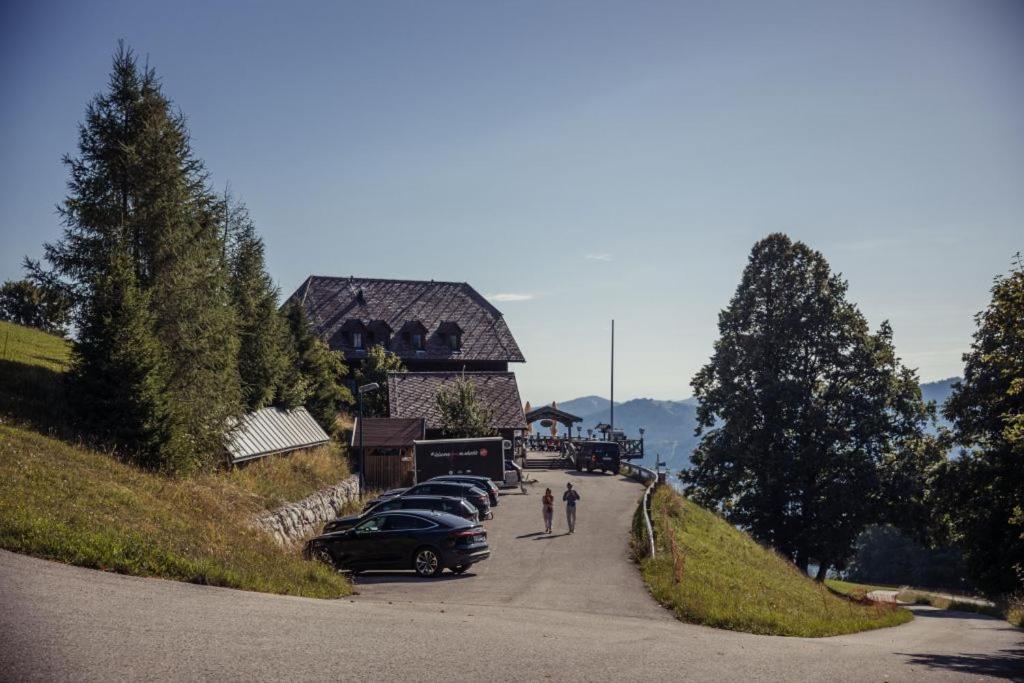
365,389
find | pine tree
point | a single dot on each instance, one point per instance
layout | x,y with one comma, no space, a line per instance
317,379
137,191
117,377
801,407
265,354
981,492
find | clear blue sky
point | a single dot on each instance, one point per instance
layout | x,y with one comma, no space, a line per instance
592,160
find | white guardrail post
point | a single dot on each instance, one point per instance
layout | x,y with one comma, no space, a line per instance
650,476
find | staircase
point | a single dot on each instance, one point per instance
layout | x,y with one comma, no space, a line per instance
538,460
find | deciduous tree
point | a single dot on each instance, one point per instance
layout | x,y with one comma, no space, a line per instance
981,491
801,407
462,416
375,368
27,303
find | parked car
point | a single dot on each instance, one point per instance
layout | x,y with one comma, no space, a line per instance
422,540
478,498
460,507
483,483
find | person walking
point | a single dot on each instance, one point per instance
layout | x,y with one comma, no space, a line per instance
548,508
570,497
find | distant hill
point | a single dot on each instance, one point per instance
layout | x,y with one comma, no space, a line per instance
939,391
585,405
669,425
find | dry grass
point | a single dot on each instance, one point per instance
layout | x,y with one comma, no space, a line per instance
70,503
78,506
282,479
720,577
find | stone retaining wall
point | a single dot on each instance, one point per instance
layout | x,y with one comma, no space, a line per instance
290,523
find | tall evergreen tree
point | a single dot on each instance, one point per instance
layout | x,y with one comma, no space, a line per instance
317,379
801,409
265,354
136,190
982,491
119,379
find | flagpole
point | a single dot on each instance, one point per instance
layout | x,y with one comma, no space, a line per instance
611,408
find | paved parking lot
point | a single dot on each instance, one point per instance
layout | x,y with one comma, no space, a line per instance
584,572
544,608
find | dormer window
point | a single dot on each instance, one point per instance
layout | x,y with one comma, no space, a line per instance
415,335
379,333
355,334
451,333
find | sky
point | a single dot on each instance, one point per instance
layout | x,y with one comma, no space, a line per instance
573,161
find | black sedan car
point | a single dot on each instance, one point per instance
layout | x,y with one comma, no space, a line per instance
459,507
483,483
478,498
425,541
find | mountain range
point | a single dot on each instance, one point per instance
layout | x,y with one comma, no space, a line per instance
669,425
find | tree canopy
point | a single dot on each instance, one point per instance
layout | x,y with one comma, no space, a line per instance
804,414
26,302
462,416
375,368
317,380
980,493
178,328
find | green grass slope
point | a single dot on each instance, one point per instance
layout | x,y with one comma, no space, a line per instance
720,577
63,501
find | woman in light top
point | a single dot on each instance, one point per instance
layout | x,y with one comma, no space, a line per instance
548,508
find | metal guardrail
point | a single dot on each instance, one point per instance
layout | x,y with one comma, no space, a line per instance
647,475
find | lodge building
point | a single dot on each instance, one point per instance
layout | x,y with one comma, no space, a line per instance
440,330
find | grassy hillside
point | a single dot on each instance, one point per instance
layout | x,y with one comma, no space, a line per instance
31,367
67,502
727,580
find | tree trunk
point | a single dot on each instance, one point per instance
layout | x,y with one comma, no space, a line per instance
822,571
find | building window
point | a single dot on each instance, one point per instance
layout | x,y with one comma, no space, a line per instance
454,342
357,340
417,341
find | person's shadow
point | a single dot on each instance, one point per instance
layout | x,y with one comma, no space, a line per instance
540,535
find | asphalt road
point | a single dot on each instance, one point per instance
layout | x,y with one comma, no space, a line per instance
543,608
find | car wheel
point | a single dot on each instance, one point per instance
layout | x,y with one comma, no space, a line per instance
426,562
321,554
460,569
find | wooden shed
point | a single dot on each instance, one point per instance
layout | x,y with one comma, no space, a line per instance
388,445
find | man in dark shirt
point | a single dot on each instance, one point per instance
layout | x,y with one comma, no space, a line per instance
570,497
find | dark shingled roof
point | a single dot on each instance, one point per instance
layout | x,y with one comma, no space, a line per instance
330,302
388,432
414,394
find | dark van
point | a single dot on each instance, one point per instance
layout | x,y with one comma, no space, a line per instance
598,455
